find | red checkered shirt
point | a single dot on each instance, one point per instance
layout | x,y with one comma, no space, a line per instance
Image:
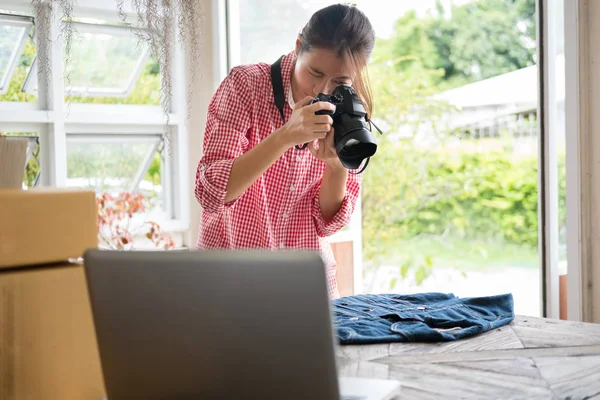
281,209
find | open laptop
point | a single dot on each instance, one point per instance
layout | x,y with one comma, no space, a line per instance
217,325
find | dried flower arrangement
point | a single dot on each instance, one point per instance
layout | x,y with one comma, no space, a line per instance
117,228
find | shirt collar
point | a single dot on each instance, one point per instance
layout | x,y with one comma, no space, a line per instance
290,98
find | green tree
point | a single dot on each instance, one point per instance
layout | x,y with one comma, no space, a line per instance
411,41
469,42
491,38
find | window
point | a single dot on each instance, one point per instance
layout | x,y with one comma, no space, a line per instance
450,201
17,52
107,64
117,163
260,36
105,130
554,147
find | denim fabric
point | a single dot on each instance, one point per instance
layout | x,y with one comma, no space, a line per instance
425,317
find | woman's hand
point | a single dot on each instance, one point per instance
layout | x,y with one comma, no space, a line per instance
325,151
306,127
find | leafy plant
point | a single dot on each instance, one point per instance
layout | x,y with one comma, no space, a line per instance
478,191
120,220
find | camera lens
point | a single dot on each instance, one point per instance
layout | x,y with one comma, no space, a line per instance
350,143
354,146
353,139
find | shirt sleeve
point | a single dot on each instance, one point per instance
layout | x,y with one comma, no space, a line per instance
228,121
342,217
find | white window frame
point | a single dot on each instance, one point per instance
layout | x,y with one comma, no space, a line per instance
18,21
154,139
31,79
549,196
53,119
548,162
573,154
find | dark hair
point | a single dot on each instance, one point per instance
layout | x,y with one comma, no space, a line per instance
347,31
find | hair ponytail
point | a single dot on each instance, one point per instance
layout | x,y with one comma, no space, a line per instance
347,31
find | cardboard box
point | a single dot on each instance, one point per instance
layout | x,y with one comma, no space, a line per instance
48,344
46,225
13,156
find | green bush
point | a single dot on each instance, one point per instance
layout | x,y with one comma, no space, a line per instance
474,190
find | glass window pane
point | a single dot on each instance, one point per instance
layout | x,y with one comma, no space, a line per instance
559,130
145,90
450,200
559,81
31,174
104,61
115,164
108,65
12,36
263,37
17,52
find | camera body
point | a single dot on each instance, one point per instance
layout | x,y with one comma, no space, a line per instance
353,139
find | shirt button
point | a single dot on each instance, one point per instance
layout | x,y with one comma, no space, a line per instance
285,215
281,246
292,188
298,158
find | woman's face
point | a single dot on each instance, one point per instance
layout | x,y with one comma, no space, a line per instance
318,71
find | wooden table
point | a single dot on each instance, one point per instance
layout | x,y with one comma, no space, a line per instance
533,358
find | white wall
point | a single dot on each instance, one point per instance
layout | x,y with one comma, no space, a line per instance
592,123
203,89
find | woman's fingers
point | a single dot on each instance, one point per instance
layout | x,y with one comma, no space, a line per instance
303,103
320,105
322,128
323,119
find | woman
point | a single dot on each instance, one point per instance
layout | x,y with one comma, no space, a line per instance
257,189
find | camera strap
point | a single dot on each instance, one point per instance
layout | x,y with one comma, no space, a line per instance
277,82
278,92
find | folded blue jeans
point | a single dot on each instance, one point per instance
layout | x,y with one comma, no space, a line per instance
424,317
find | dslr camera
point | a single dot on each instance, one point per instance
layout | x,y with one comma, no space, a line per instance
353,139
